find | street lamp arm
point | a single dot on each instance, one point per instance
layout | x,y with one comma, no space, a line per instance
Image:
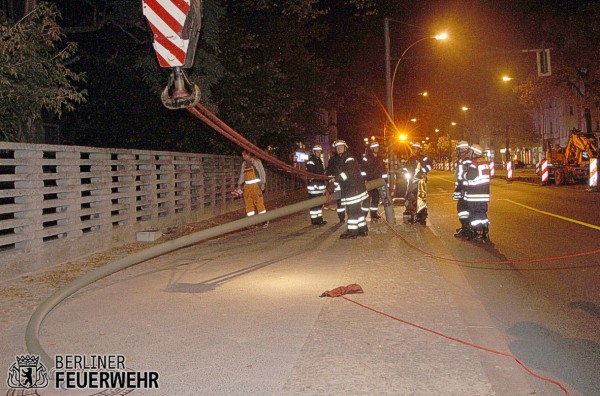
398,64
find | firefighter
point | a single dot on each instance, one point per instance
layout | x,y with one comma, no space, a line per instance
463,153
373,168
477,193
316,187
354,192
253,177
416,169
332,169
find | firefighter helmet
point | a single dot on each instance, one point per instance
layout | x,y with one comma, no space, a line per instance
317,147
462,145
416,145
340,142
477,150
373,145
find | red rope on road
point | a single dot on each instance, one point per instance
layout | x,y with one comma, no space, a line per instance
522,261
530,371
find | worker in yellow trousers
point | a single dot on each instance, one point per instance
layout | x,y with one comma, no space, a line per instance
253,178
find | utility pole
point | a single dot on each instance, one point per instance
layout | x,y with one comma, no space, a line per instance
389,107
388,67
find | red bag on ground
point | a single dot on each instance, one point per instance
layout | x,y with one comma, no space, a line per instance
339,291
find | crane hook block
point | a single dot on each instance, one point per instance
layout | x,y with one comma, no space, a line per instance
180,92
175,26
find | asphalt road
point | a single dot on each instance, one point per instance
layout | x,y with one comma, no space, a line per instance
548,309
241,315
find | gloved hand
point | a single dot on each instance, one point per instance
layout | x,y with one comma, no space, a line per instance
330,187
457,195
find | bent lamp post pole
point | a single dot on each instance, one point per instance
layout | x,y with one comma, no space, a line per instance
390,94
389,88
33,326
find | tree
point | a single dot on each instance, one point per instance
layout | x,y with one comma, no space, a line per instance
34,76
273,84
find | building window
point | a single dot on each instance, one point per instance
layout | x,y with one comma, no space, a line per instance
323,116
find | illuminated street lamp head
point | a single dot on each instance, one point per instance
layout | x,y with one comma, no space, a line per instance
413,120
453,123
465,108
436,130
442,36
403,137
425,93
507,78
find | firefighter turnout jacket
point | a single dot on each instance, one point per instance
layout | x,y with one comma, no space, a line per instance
314,164
316,187
332,170
477,180
354,192
418,166
373,167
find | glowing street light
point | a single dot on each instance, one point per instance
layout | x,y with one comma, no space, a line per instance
413,120
453,123
390,83
507,78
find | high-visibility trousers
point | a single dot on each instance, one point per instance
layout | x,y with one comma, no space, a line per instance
253,197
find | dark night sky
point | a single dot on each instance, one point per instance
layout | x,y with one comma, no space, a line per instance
485,42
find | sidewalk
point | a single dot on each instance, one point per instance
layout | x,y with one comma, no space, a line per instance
241,315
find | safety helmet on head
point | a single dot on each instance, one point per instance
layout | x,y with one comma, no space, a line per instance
477,150
340,142
373,145
317,147
416,145
462,145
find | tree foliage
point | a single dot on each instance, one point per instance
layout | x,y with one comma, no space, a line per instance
34,72
274,85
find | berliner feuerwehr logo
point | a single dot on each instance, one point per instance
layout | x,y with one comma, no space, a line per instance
27,372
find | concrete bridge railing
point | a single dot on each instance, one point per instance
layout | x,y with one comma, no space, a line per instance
61,202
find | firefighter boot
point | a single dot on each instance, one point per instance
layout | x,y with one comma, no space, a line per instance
485,232
422,217
465,231
408,217
348,235
478,234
